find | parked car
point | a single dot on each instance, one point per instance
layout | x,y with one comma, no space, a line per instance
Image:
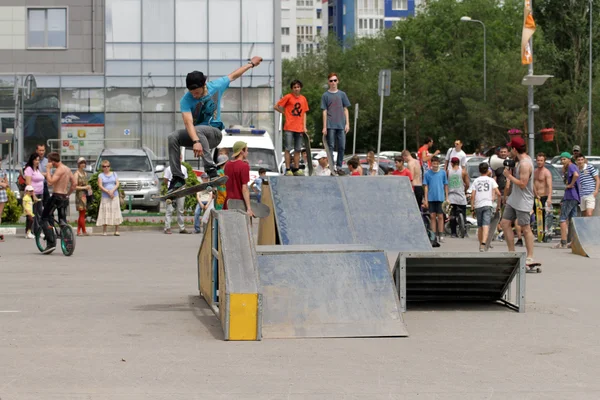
137,175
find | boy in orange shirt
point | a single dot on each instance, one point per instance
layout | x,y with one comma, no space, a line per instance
294,106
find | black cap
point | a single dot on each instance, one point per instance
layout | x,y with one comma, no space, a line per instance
195,80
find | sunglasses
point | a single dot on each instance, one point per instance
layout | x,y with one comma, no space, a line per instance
333,80
106,166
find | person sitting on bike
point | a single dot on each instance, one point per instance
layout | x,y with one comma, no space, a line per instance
59,200
458,183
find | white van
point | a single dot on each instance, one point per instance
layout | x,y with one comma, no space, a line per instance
261,151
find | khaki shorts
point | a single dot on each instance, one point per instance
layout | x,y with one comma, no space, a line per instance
523,217
588,202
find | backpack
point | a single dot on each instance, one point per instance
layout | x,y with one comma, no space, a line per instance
21,182
205,112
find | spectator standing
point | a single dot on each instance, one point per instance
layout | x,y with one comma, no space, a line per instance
36,178
238,172
542,185
458,182
28,200
221,189
484,192
322,168
334,104
373,166
400,170
179,201
3,193
353,167
589,184
435,184
41,152
294,106
83,190
257,184
458,152
359,168
109,212
204,199
571,198
416,170
424,155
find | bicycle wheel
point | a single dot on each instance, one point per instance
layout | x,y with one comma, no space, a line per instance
67,240
40,239
462,227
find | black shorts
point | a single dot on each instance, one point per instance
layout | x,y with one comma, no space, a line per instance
435,207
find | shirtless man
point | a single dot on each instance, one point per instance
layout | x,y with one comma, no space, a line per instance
542,184
60,197
414,166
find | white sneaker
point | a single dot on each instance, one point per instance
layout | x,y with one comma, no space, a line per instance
29,235
442,240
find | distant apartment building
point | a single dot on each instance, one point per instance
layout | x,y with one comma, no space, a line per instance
303,24
361,18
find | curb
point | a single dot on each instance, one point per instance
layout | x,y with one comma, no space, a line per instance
21,230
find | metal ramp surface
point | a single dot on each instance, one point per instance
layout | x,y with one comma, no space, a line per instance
327,291
372,210
586,236
458,277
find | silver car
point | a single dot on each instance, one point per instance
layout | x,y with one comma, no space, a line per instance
137,175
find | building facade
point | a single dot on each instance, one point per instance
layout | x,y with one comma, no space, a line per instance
303,24
115,69
361,18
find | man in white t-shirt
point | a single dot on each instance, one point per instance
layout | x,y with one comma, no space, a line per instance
180,201
322,167
484,201
456,151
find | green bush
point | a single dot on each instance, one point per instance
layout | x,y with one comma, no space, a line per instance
192,180
94,206
12,210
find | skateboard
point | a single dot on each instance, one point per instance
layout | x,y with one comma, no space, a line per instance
306,140
332,167
535,267
549,228
260,210
186,191
492,230
539,220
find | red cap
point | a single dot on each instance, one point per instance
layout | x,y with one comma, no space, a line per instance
454,159
516,142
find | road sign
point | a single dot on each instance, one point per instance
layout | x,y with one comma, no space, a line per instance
126,132
385,82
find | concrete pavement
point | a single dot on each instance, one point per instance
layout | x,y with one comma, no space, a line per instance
121,319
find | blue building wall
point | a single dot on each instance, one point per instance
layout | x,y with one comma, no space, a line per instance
337,19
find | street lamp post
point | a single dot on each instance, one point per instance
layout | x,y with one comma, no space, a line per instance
589,146
404,83
469,19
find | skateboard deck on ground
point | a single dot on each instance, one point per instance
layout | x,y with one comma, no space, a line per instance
539,220
260,210
186,191
492,230
549,231
306,140
332,167
535,267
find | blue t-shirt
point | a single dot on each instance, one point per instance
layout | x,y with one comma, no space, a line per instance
435,182
335,103
108,182
215,88
572,193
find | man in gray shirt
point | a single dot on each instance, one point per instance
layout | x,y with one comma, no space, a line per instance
334,104
520,201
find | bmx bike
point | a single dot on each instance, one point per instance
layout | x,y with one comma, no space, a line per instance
61,229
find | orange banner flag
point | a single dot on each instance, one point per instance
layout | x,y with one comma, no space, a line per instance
528,30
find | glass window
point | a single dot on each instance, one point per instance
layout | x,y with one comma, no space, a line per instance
182,68
231,100
123,99
47,81
230,118
47,27
82,81
192,51
230,31
159,18
38,127
265,68
123,21
259,120
115,126
220,68
263,50
123,51
192,20
179,93
254,81
156,128
128,82
158,81
158,68
257,21
217,51
257,99
159,99
124,68
45,99
82,100
159,51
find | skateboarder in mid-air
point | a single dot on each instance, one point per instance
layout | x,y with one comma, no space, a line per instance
201,113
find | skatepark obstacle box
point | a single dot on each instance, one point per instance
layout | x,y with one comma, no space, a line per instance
338,257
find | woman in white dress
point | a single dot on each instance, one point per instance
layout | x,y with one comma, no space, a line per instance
110,205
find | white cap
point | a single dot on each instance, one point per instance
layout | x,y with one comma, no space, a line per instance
81,159
321,154
29,188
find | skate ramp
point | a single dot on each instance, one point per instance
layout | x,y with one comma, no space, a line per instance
327,291
373,210
586,236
